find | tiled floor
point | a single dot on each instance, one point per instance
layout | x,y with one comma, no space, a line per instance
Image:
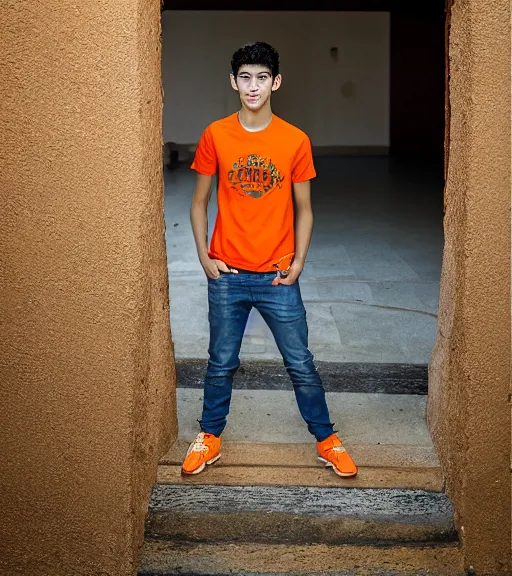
371,281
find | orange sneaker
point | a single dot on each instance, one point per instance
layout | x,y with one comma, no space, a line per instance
205,449
332,452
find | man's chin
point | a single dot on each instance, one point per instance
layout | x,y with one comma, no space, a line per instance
254,106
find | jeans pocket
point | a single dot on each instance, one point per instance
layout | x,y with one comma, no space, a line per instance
215,279
218,283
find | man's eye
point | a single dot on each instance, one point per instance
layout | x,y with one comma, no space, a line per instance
262,78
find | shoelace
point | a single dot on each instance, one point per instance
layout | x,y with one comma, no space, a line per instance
338,449
198,445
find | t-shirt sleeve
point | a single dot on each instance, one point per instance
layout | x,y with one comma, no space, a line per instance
205,160
303,168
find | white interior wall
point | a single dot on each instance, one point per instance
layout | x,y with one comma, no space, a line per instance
338,103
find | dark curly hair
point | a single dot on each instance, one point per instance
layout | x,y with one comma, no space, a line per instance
259,53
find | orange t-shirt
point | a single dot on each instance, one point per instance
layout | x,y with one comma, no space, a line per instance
255,170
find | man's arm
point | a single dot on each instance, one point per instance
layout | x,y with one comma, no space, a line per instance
199,220
303,230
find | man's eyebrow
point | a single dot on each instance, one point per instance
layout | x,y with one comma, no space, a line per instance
257,73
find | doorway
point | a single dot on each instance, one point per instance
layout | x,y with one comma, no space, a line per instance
374,111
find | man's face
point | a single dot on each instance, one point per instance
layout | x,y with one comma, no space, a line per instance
255,84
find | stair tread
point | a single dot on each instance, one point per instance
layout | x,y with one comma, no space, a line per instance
220,559
272,416
419,478
304,454
380,466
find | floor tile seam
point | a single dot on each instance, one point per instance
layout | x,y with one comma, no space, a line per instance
368,304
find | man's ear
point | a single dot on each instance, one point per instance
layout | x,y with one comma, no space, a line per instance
277,82
233,82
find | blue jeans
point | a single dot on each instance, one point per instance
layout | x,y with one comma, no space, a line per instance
230,299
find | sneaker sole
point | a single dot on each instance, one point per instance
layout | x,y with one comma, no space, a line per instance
336,471
202,467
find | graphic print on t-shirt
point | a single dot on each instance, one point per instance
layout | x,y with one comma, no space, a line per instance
255,176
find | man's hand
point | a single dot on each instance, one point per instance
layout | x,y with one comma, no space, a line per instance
213,267
303,229
293,273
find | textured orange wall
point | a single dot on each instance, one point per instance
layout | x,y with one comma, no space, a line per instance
468,410
86,365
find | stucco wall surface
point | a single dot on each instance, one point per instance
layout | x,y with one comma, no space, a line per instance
86,367
468,410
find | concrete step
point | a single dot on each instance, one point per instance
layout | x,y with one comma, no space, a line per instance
165,558
272,417
299,515
362,377
269,509
243,464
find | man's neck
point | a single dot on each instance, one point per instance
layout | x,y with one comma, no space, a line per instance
255,121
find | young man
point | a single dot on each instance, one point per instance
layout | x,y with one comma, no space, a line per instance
258,249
